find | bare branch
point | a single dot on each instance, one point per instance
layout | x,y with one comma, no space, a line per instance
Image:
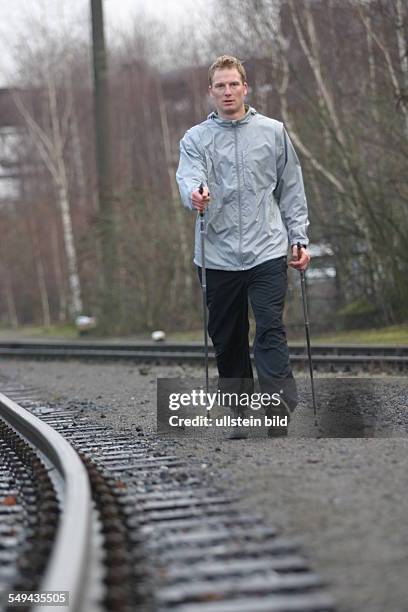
393,76
40,138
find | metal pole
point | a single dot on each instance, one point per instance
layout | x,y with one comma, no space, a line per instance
204,289
106,215
305,314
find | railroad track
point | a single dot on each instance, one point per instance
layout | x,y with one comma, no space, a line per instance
132,526
325,357
45,511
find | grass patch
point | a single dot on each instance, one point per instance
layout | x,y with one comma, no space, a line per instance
394,334
195,335
36,331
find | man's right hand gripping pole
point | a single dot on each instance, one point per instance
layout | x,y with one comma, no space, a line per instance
200,199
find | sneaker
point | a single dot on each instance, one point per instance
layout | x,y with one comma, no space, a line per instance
283,410
236,432
286,407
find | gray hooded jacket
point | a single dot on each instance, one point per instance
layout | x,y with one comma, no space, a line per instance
257,198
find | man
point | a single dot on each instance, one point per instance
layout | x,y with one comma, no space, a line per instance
254,203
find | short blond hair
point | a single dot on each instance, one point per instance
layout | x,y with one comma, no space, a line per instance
226,61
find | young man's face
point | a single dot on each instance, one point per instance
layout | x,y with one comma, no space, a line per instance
228,92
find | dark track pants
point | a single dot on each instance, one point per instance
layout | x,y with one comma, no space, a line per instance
228,326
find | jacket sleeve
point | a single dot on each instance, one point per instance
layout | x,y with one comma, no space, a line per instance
191,170
290,192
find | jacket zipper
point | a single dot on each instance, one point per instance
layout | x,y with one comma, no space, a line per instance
239,195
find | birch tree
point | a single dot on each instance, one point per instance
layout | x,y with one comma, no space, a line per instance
51,149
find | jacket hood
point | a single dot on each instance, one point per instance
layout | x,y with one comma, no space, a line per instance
228,122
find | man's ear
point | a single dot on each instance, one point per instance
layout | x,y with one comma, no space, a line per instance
246,88
210,90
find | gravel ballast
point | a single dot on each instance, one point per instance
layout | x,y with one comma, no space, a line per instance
344,497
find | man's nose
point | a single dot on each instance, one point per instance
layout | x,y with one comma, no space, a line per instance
227,90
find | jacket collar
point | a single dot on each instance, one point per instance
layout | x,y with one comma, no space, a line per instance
231,122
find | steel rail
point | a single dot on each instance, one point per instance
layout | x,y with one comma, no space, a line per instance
67,566
197,347
322,356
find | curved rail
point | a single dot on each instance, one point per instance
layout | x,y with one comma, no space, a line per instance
185,545
69,559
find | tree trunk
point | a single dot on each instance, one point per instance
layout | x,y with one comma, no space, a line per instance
75,306
59,276
10,301
40,273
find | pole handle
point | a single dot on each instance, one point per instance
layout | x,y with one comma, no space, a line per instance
299,250
201,191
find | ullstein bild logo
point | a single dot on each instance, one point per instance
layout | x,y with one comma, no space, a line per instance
227,421
182,404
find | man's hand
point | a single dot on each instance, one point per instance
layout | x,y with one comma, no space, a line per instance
200,201
302,262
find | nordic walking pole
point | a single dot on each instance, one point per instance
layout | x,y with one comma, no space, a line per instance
309,351
204,288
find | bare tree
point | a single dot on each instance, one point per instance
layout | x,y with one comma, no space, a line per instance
51,149
344,106
398,74
185,257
